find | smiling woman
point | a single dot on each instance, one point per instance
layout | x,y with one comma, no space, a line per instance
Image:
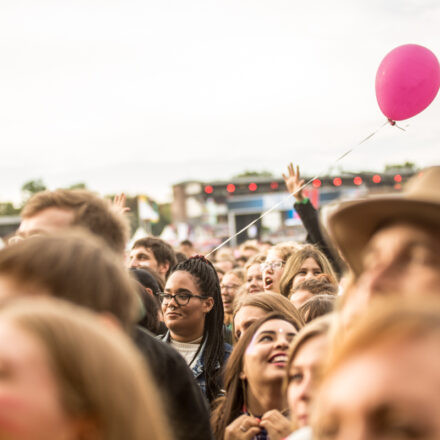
193,312
254,403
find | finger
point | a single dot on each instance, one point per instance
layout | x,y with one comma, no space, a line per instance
291,172
284,177
301,182
297,170
252,433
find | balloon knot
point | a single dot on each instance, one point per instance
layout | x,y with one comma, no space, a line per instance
391,121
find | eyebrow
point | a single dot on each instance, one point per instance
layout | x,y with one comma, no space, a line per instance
272,332
179,290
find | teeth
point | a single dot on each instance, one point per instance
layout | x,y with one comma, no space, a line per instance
280,358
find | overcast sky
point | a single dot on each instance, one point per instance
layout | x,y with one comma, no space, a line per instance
137,95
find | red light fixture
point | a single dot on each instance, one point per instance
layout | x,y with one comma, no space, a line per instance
376,178
209,189
316,183
337,181
274,185
398,186
230,188
357,180
252,186
397,178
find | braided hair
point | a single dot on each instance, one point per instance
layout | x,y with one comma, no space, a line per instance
207,281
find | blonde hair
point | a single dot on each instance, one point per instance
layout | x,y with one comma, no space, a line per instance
237,272
286,249
256,259
295,262
89,211
101,377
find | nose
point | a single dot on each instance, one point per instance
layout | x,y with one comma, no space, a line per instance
379,278
282,342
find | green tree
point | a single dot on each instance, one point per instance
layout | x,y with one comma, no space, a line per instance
249,173
31,187
407,166
79,185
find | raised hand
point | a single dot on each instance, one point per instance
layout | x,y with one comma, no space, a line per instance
119,203
294,182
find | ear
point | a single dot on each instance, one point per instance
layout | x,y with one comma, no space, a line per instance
242,375
208,304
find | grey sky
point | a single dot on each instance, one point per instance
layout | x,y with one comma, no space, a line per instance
137,95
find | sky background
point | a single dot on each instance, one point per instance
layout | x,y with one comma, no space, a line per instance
137,95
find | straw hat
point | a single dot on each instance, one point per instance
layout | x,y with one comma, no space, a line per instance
354,223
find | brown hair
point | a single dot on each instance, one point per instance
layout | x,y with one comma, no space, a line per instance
286,249
162,251
321,285
295,262
317,306
228,407
256,259
76,266
238,272
270,302
90,211
102,379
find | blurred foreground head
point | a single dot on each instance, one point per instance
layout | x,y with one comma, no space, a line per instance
392,242
72,265
383,380
51,211
67,376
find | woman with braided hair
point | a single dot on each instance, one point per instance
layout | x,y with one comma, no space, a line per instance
193,312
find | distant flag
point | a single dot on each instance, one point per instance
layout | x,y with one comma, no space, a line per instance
146,211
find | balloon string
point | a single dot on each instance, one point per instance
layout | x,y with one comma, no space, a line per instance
346,153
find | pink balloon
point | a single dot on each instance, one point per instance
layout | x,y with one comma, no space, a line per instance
407,81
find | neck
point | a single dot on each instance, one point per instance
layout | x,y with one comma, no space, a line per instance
263,398
187,336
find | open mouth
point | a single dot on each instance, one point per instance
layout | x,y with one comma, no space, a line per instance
279,359
268,282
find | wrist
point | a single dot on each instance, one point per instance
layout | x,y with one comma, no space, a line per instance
303,200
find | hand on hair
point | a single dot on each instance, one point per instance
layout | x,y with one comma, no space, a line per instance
276,425
119,203
242,428
294,182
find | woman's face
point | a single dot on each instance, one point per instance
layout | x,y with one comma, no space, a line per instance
273,268
265,358
185,322
309,269
254,279
30,401
245,317
301,377
229,287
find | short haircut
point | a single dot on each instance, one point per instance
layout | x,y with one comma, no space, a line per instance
317,306
90,212
321,285
162,251
256,259
75,266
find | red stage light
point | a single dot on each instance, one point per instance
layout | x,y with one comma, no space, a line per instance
209,189
337,181
252,186
357,180
397,178
376,178
398,186
274,185
230,188
316,183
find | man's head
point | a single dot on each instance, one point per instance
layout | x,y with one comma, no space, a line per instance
392,243
73,265
154,253
51,211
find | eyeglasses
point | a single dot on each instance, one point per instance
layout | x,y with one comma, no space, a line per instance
181,299
272,264
229,286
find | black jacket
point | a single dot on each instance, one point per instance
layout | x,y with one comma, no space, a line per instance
188,410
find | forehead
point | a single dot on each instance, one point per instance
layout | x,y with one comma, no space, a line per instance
277,326
231,278
310,262
399,235
47,220
273,254
182,280
142,250
247,313
255,269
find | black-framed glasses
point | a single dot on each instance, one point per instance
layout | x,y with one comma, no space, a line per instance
181,299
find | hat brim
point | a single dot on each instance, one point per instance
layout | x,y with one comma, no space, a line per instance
353,225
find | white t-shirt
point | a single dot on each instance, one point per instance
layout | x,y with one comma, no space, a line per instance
187,349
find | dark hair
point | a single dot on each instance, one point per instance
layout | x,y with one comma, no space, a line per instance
147,277
228,407
180,256
207,281
186,243
162,251
150,312
321,285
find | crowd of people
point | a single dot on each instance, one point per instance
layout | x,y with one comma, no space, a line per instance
335,338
